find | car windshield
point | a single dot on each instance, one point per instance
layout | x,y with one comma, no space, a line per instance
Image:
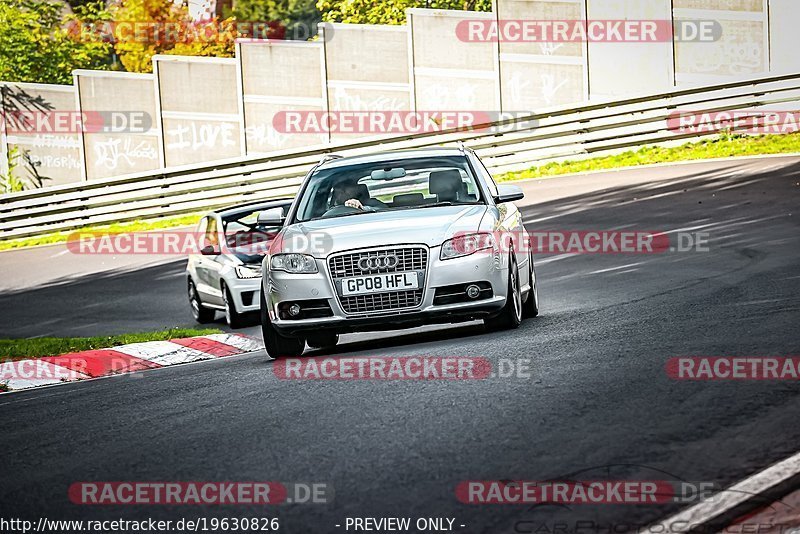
246,238
388,185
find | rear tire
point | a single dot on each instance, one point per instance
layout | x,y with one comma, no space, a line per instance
200,313
530,307
278,345
325,340
511,315
232,317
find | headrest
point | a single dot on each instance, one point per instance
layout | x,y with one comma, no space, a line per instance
446,184
408,199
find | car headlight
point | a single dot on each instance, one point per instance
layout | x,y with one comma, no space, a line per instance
248,271
465,245
293,263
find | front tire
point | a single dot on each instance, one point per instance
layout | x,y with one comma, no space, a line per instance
200,313
530,308
278,345
232,317
325,340
511,315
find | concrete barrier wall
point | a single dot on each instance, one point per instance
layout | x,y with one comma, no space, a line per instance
56,157
450,74
198,100
535,75
279,76
619,68
784,19
209,109
367,68
742,52
127,148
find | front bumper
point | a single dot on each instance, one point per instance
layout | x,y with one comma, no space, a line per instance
281,287
245,293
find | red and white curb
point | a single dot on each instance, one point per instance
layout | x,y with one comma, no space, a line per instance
24,374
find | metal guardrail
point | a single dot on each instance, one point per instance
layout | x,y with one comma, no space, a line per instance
566,131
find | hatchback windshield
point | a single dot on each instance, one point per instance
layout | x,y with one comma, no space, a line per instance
246,238
388,185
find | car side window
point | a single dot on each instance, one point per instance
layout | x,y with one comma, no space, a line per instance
486,175
211,236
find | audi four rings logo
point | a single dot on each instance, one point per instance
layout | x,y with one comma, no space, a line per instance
373,263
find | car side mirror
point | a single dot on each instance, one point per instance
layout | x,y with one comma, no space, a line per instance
208,250
508,193
271,217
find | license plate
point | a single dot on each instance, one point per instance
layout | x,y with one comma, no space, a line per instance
379,283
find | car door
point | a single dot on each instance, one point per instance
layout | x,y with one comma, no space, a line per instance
208,265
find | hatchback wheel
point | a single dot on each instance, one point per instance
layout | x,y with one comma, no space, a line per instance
232,317
200,313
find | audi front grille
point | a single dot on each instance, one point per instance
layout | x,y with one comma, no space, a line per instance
410,259
347,265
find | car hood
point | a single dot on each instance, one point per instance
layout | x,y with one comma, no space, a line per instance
430,226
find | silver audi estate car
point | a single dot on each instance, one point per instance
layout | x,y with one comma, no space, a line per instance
395,240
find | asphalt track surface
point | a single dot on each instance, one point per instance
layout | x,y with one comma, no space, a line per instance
597,406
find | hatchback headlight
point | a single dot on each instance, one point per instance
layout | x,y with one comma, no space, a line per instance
465,245
248,271
293,263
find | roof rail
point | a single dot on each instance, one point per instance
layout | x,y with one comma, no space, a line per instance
328,157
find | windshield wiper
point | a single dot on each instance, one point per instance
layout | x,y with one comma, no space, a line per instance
434,205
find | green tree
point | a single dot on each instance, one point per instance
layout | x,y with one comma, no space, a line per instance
388,11
212,37
37,44
299,18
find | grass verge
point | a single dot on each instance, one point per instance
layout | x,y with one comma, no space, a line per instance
20,349
133,226
724,147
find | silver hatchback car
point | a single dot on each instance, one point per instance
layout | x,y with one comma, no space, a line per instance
395,240
226,274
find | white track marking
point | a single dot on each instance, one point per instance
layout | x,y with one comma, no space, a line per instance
163,352
24,374
244,343
711,508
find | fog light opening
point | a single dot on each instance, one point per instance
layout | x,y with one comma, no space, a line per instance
473,291
294,310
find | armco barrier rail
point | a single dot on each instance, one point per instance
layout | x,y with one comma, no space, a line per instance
569,131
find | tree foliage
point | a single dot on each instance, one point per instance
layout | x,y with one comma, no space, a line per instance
36,44
388,11
168,29
298,18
